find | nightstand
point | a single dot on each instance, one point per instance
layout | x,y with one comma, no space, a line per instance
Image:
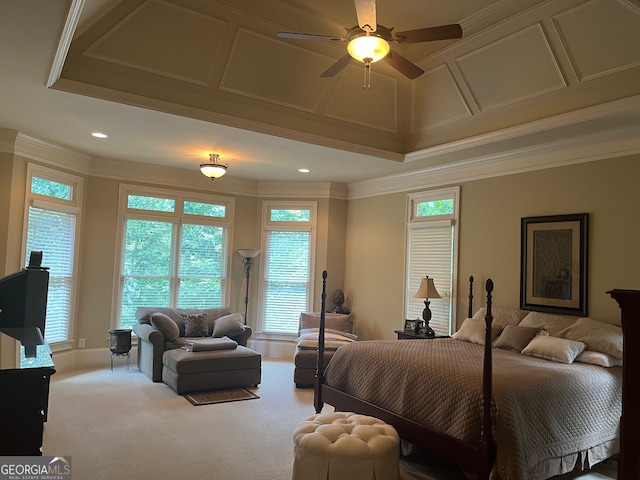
406,335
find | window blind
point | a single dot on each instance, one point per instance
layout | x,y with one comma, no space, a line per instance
430,253
53,232
286,280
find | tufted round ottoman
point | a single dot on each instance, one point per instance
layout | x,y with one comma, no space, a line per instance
345,446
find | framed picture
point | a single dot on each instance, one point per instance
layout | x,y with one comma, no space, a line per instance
553,270
410,325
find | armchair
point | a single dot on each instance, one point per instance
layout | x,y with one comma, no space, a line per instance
161,328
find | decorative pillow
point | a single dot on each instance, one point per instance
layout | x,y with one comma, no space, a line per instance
334,321
502,316
599,336
598,358
473,330
515,338
228,325
195,325
166,325
554,349
552,324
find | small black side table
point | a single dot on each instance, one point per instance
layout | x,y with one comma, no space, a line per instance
407,335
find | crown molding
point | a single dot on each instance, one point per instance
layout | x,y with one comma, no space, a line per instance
609,144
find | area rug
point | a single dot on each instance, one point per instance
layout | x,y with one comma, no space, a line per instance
220,396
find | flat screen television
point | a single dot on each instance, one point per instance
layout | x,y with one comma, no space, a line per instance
23,296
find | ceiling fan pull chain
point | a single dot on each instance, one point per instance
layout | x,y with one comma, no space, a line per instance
367,76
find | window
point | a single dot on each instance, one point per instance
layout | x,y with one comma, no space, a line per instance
431,250
288,245
174,251
52,216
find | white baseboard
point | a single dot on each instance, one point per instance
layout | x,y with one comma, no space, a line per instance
90,358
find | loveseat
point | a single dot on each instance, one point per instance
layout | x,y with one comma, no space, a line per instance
161,328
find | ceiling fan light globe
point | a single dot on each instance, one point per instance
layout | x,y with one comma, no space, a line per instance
368,48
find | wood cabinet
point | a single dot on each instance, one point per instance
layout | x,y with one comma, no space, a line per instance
24,401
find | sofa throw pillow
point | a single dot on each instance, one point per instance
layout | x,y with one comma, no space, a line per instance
166,325
515,338
228,325
195,325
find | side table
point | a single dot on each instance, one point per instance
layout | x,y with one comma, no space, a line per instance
407,335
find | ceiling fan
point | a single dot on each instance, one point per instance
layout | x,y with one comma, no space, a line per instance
368,42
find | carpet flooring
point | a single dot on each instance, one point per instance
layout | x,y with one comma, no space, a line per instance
220,396
121,425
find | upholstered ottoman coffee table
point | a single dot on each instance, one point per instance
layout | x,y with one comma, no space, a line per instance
344,445
188,372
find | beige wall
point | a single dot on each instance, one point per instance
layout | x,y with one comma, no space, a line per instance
489,230
361,242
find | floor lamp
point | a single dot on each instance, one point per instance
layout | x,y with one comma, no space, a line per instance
247,254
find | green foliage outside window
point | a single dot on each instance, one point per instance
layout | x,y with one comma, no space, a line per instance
278,215
50,188
205,209
151,203
434,208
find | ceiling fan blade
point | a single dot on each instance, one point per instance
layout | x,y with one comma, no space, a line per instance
306,36
403,65
443,32
337,67
366,10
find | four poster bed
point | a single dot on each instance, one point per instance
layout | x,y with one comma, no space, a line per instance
506,412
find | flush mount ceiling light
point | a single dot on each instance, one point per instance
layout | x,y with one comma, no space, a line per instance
214,169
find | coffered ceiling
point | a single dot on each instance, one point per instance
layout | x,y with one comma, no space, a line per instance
173,80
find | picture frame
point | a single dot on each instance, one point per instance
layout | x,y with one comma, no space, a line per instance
553,257
410,325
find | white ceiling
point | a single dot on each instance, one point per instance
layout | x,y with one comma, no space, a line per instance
172,80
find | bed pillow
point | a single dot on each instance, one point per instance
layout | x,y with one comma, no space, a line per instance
502,316
166,325
552,324
515,338
554,348
599,336
598,358
228,325
473,331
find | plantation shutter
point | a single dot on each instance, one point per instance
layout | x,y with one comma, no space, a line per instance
430,253
53,233
286,280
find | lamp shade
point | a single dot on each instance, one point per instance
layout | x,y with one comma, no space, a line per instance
427,289
248,252
368,48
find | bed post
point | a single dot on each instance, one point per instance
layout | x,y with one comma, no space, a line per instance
486,440
470,312
317,394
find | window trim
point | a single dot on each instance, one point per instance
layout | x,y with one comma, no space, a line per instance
74,207
414,221
177,218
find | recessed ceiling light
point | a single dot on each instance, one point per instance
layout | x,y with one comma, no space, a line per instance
99,135
303,170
